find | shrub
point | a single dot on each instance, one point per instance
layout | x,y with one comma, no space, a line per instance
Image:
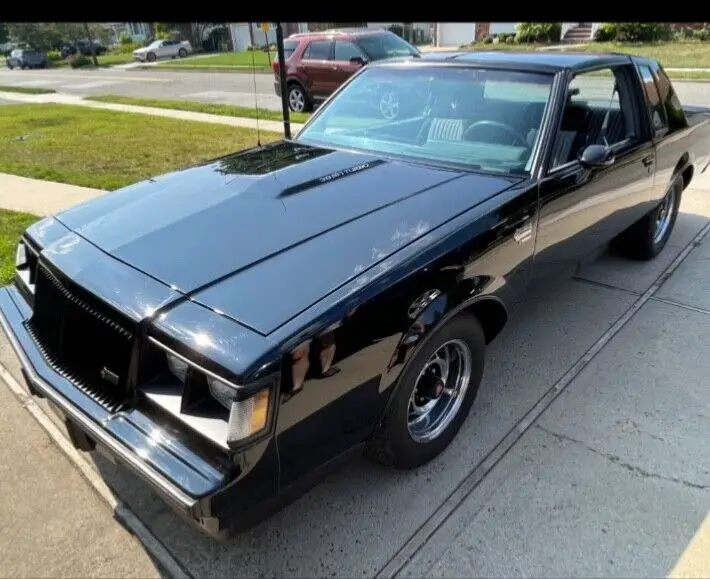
487,40
78,60
54,56
538,32
504,36
642,31
126,38
125,48
607,32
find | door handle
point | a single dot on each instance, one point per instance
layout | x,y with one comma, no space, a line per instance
647,161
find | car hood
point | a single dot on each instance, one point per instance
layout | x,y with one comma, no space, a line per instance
140,51
285,222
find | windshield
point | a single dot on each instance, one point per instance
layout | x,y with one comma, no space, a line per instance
386,45
155,44
482,119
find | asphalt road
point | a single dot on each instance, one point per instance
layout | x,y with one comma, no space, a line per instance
223,88
215,87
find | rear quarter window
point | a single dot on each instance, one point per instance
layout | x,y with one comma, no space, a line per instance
290,47
669,98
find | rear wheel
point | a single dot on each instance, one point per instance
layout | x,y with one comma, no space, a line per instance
182,53
433,396
298,100
646,238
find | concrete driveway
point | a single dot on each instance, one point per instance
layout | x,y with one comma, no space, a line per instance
586,453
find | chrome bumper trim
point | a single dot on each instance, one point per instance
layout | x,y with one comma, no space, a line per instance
130,436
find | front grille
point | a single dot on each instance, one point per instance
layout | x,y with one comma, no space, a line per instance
82,338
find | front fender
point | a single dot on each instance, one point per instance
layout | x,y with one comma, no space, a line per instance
435,307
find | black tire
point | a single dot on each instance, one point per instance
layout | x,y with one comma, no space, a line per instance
392,444
151,57
640,241
182,53
23,67
294,89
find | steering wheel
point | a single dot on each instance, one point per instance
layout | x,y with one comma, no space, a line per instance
518,138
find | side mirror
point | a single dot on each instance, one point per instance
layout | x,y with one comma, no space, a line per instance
597,156
358,60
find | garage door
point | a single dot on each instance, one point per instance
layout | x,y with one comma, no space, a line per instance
456,33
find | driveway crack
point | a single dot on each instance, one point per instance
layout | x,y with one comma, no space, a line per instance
612,458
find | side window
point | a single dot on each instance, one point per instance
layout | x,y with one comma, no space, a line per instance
290,47
674,110
656,109
318,50
345,50
597,112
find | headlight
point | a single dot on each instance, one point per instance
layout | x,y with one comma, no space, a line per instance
246,417
20,256
178,367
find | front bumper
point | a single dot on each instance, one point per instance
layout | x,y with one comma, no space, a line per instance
187,481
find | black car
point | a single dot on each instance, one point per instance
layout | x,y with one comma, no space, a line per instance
230,330
26,58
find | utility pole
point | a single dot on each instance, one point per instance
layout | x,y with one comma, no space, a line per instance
282,80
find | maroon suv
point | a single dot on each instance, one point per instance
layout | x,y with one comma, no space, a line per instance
317,63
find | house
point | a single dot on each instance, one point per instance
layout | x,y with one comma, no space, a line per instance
138,31
461,33
415,32
242,37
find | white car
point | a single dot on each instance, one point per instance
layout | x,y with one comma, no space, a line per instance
163,49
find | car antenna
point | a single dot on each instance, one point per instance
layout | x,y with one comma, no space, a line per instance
282,81
256,98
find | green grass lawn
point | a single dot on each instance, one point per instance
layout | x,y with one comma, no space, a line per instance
112,59
12,224
26,89
197,107
256,58
671,54
107,149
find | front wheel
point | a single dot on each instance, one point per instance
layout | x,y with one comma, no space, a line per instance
433,396
646,238
151,57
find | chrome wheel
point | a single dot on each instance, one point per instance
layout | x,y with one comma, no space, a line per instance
389,106
296,99
664,216
439,391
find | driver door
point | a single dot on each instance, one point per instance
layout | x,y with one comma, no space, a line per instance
581,209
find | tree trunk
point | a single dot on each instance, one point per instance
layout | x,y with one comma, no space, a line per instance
92,48
251,33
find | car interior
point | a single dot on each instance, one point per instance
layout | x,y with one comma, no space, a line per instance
495,125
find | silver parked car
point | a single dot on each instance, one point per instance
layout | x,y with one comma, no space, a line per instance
26,58
163,49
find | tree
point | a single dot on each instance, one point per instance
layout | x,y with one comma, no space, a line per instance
190,31
92,48
4,35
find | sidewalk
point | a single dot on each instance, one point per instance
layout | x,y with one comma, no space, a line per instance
41,197
65,99
54,525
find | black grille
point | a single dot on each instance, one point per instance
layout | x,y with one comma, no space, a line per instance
83,339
